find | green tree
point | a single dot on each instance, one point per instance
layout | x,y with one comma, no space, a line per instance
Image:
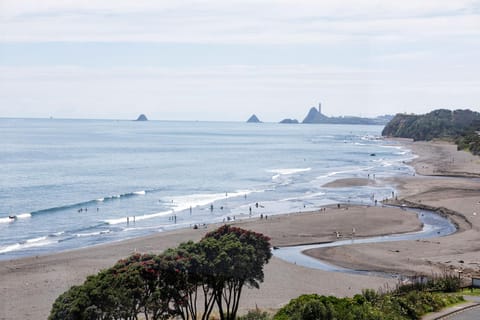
157,287
235,257
186,272
131,287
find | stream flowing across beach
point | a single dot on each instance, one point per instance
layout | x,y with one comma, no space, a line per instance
68,184
434,225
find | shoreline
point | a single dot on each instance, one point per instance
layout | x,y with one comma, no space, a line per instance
33,283
455,195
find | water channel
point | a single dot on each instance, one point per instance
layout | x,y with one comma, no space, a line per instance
434,226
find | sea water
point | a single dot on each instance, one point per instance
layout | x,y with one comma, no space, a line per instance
68,184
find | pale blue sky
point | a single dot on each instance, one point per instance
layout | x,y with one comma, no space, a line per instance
224,60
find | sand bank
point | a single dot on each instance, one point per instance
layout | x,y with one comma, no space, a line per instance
37,281
457,191
29,286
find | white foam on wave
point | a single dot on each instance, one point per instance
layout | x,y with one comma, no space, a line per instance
334,173
91,234
138,218
180,203
289,171
15,217
286,172
6,220
30,243
371,138
140,193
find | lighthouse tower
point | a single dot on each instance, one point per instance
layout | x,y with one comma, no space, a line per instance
320,107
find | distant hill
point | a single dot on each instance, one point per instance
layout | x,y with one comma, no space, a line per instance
316,116
459,125
253,119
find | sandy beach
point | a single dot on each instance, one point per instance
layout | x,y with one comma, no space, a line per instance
443,182
29,286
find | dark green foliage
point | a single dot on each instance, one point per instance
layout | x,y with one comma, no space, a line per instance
436,124
459,125
235,257
256,314
157,287
131,287
70,305
370,305
470,141
444,283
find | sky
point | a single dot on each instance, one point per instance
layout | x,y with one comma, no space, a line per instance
218,60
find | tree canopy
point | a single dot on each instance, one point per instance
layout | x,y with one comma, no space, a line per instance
186,282
459,125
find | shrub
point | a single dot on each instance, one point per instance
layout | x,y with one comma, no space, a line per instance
256,314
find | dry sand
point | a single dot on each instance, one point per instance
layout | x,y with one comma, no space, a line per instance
457,191
29,286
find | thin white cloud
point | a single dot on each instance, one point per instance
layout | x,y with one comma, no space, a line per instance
235,21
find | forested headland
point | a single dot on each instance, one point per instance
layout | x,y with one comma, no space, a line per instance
459,126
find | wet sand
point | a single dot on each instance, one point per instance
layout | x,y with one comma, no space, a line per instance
29,286
447,182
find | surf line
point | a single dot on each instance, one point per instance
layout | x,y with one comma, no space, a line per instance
434,225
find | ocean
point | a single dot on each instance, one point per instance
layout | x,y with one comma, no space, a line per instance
67,184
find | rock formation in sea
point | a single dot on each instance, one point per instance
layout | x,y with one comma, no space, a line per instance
316,116
289,121
253,119
142,117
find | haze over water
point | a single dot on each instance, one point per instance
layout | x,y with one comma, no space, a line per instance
73,183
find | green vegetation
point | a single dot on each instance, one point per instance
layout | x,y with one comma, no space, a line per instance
448,282
369,305
187,282
458,125
169,285
471,291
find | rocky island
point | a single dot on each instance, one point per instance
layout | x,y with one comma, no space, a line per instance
289,121
142,117
253,119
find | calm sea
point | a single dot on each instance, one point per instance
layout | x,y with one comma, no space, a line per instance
76,183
